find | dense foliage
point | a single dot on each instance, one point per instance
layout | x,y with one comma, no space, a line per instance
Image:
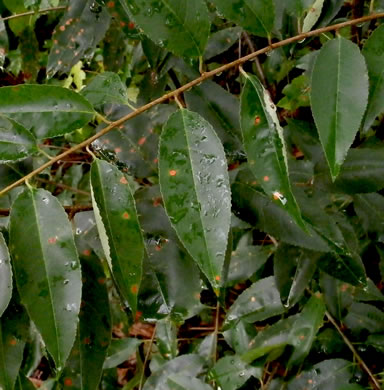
227,236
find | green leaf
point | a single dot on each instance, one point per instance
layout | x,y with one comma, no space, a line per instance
16,142
166,338
76,35
304,329
186,382
14,327
364,316
221,110
47,111
328,374
5,276
339,96
239,338
85,363
296,94
270,341
348,268
120,350
190,365
256,303
23,383
195,187
293,269
180,26
312,16
47,269
265,146
118,227
105,88
3,42
377,341
256,16
221,41
373,52
370,209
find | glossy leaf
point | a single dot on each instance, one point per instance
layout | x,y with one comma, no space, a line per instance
166,338
293,269
14,327
339,96
231,372
178,25
120,350
256,303
221,41
239,338
374,56
186,382
5,276
370,209
16,142
328,374
76,35
189,364
265,146
195,187
313,15
256,16
270,341
296,94
305,328
118,227
47,269
85,363
364,316
105,88
47,111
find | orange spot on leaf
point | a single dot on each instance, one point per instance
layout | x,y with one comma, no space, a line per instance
68,382
266,178
110,4
101,280
117,150
172,172
217,278
87,252
126,216
62,28
13,341
134,289
123,180
257,120
131,25
52,240
142,141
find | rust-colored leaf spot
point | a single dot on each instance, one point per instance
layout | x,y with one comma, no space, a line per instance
217,278
126,215
12,341
87,341
62,28
157,202
101,280
87,252
68,382
110,4
142,141
266,178
156,160
122,24
52,240
138,315
131,25
134,289
117,150
123,180
172,172
257,120
302,337
158,248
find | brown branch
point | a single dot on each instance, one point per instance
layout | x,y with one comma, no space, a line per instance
205,76
69,209
30,13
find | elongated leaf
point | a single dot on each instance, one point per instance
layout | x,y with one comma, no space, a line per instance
374,55
46,110
190,365
256,303
271,340
85,363
328,374
16,142
305,328
240,337
14,327
186,382
231,372
120,350
118,227
181,26
195,187
256,16
77,34
47,269
370,209
339,96
166,338
293,270
265,146
5,276
105,88
221,41
364,316
313,15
